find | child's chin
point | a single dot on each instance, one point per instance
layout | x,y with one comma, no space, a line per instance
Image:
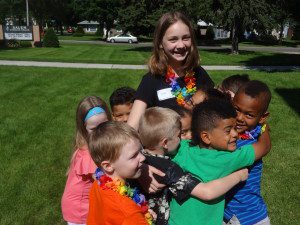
232,147
137,174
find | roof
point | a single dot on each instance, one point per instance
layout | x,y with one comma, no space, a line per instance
85,22
202,23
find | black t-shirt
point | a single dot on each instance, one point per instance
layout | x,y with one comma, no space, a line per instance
154,91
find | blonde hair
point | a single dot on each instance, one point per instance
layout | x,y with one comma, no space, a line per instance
107,140
158,123
159,61
84,106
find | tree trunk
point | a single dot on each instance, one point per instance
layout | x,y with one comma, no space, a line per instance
61,29
281,33
234,39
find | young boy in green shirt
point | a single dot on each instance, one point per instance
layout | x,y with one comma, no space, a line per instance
210,155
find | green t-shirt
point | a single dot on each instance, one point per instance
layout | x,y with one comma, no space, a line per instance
206,165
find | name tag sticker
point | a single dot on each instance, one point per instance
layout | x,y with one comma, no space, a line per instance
164,94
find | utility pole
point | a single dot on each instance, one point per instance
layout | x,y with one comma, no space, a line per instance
27,16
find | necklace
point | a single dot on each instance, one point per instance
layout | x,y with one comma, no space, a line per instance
253,134
182,95
105,182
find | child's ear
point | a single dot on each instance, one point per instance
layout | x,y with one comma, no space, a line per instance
107,166
264,117
205,137
164,143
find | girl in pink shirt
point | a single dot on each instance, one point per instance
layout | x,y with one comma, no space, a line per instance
91,111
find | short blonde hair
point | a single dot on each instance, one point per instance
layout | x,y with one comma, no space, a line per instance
158,123
107,140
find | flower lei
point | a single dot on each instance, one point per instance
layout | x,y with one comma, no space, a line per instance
182,94
118,186
253,133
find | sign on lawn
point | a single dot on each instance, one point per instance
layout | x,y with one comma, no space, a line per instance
18,32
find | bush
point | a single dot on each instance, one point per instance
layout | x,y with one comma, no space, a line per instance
296,32
210,34
38,44
79,32
99,32
2,43
25,44
13,43
50,39
268,39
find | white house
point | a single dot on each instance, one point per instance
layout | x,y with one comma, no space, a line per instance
89,26
220,33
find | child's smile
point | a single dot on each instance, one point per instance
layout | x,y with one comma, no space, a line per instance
224,135
177,43
249,112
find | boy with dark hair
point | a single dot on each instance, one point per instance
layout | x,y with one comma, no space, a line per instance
232,84
210,155
159,130
245,204
121,101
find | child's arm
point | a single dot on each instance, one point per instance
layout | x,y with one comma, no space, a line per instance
197,98
147,180
216,188
136,112
263,144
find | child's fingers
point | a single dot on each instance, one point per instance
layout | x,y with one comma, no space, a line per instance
153,170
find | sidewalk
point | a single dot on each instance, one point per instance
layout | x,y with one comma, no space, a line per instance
136,67
276,49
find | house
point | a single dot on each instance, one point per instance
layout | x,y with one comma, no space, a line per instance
89,26
219,32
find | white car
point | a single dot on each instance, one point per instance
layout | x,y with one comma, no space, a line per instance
125,38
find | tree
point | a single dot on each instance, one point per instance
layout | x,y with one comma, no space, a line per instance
140,16
13,9
103,11
238,15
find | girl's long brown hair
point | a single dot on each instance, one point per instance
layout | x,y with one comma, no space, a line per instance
158,61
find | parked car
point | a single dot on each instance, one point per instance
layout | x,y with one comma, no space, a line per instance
126,38
70,30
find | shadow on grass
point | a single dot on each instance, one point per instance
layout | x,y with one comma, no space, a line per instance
284,62
140,49
291,97
275,59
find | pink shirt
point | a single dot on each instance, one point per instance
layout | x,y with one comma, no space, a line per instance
75,200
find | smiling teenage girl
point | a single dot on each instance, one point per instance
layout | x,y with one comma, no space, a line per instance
174,72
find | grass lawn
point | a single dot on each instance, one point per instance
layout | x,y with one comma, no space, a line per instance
37,126
83,38
138,54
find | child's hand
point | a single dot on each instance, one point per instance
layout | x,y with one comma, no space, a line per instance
197,98
242,174
147,180
153,214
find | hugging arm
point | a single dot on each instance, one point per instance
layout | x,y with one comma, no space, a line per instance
263,144
136,112
147,180
216,188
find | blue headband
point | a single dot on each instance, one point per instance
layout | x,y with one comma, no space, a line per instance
93,111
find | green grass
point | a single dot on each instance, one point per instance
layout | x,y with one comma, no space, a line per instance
138,54
38,121
83,38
